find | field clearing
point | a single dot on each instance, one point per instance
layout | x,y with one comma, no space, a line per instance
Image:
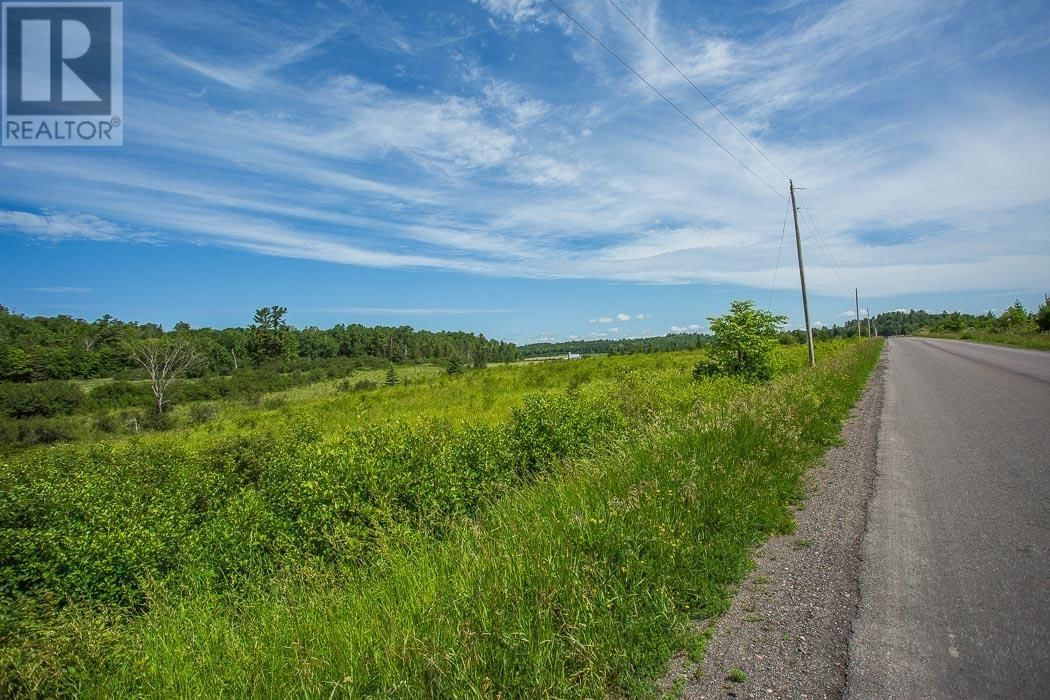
533,529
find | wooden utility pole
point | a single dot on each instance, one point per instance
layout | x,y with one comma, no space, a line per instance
802,278
867,315
856,297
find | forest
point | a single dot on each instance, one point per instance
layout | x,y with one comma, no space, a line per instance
65,379
64,347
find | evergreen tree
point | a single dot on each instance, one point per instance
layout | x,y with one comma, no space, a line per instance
1042,317
391,377
455,365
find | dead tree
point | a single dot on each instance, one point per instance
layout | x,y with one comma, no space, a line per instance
163,361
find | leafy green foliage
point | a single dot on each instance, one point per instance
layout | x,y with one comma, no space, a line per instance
1015,319
743,344
1042,317
52,398
621,346
562,543
63,347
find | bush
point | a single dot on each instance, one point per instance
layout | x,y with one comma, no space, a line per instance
743,344
1042,317
107,423
275,402
50,398
44,431
151,420
203,412
121,394
365,385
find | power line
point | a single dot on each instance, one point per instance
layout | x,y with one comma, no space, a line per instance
666,99
698,90
825,249
930,189
780,249
937,211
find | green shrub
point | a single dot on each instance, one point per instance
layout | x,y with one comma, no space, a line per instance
107,422
50,398
743,344
120,394
203,412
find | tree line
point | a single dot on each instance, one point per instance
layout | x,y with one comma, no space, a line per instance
63,347
1015,320
623,346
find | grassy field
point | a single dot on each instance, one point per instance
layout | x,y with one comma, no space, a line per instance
541,529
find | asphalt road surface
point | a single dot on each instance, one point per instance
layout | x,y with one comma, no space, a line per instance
955,572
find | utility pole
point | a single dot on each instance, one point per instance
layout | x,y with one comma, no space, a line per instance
867,315
802,278
856,297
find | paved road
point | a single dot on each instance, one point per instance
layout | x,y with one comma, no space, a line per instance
955,577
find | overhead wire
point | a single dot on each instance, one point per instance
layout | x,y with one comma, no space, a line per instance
934,211
825,249
780,250
931,189
698,90
666,99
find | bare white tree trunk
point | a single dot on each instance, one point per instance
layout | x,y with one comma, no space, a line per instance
163,361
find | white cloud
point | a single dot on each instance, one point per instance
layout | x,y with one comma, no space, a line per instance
493,180
691,328
60,290
623,317
57,226
402,311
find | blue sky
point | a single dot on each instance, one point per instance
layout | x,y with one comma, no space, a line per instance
485,166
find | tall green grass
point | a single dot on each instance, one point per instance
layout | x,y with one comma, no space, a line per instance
619,508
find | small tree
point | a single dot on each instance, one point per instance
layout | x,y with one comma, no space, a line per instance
455,365
269,337
1015,319
392,378
164,361
743,344
1042,317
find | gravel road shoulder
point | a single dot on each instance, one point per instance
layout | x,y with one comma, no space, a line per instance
789,625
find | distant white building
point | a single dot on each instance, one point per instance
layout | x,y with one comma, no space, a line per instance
572,356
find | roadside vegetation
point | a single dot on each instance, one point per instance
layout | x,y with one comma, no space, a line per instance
1015,326
542,529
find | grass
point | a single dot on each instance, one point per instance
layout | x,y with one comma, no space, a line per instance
579,580
1034,341
736,676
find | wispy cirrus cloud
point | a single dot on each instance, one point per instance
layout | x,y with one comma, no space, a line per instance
581,174
59,290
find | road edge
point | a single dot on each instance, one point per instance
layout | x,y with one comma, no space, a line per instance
789,625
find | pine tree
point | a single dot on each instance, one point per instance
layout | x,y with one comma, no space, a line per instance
392,378
455,365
